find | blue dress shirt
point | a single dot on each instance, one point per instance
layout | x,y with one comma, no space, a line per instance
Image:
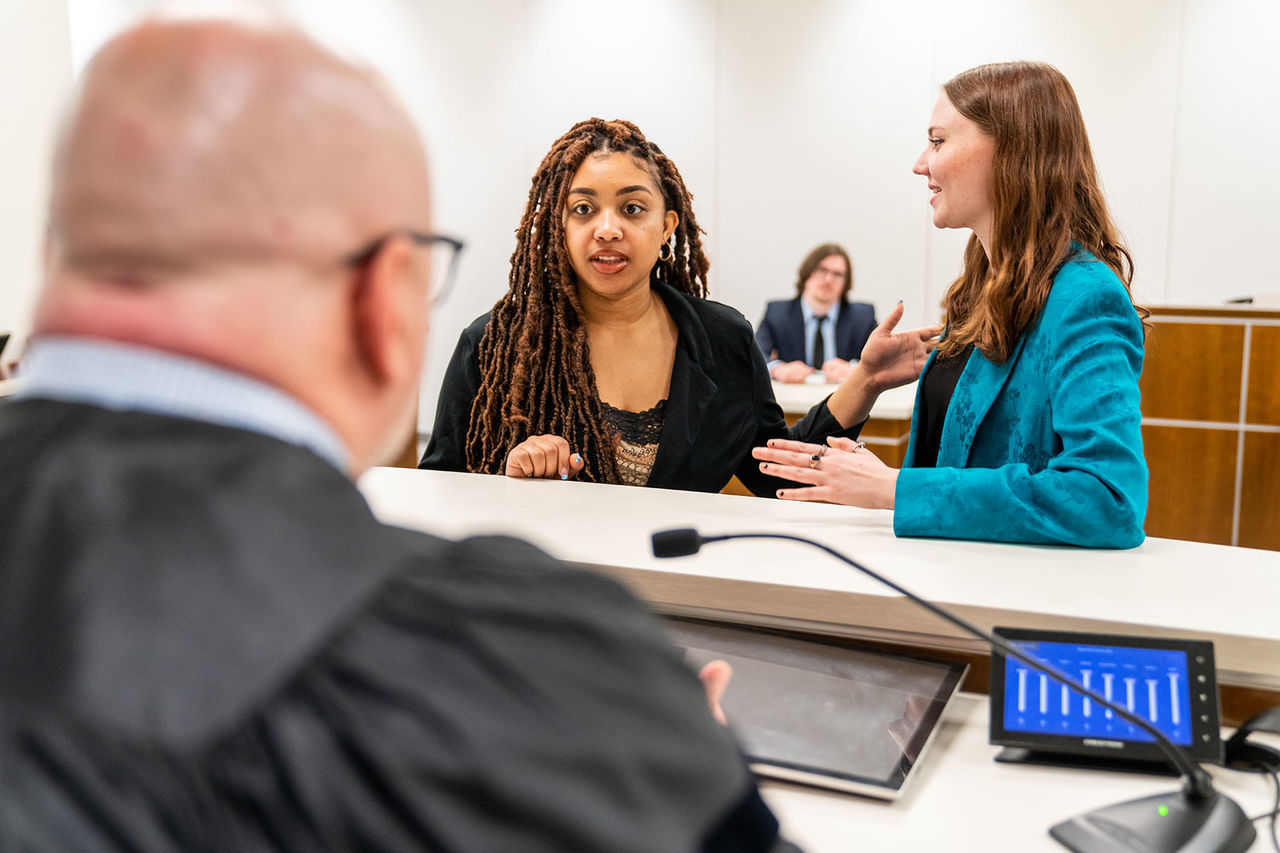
127,377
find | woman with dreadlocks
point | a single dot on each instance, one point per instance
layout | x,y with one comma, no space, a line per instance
605,360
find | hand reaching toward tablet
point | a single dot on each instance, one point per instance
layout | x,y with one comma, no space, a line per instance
715,679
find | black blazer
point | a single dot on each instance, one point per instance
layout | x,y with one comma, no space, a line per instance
720,405
782,329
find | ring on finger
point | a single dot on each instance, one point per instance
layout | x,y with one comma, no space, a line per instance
814,460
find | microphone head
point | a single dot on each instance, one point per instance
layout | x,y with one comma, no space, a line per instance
676,543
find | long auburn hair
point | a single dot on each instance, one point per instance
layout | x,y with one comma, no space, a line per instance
535,369
1045,194
817,256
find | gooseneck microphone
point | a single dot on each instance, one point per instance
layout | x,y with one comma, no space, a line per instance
1196,819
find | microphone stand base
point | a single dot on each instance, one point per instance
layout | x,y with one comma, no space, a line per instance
1164,823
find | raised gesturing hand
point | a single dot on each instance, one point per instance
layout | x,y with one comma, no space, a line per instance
893,359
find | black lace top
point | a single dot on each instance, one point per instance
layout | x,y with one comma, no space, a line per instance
638,435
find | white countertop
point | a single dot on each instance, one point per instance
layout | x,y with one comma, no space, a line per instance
965,802
796,398
1188,588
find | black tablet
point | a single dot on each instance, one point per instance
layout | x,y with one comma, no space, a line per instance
823,713
1170,683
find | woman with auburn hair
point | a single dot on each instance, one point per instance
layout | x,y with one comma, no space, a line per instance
604,359
1027,425
820,329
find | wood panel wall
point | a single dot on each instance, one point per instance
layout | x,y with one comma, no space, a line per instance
1211,425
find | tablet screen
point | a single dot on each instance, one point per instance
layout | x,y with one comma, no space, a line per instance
822,713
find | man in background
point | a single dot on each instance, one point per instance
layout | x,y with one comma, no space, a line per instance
207,642
820,330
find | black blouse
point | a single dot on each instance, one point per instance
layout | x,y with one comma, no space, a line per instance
938,384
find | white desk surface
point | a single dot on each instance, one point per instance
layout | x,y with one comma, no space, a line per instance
1173,587
965,802
1227,594
797,398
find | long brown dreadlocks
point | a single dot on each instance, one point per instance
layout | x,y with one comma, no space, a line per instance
535,371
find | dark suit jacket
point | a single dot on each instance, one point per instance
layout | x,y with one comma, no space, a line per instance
719,407
207,642
782,329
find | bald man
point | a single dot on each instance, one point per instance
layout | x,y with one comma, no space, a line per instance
206,640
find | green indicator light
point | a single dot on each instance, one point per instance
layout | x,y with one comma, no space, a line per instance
1163,811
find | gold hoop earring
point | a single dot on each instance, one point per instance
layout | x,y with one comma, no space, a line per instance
666,254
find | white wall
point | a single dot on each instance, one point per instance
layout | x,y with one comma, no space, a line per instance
798,123
1222,216
823,109
35,73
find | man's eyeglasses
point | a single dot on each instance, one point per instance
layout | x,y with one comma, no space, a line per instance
444,258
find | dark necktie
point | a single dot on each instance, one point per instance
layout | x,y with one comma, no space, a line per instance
819,344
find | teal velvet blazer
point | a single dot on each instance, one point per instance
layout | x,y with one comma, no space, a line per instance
1047,447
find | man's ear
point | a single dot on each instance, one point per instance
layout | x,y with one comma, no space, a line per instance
384,296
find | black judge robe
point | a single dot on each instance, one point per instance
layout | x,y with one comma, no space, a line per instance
207,642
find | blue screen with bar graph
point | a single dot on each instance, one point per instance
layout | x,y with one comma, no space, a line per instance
1149,683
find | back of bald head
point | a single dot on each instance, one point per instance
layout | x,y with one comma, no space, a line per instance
197,143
